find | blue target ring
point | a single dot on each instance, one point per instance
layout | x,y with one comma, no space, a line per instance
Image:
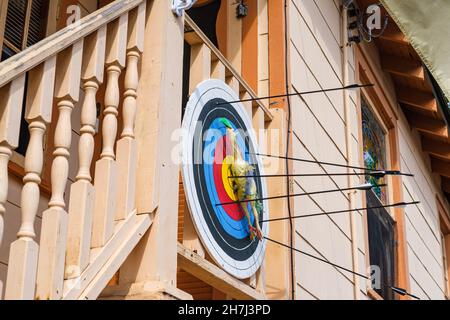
236,228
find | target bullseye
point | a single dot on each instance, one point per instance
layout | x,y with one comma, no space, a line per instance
226,173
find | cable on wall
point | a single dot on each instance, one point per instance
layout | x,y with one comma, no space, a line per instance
288,133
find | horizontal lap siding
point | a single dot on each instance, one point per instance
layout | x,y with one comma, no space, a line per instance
322,21
422,276
319,134
422,220
304,294
417,289
321,280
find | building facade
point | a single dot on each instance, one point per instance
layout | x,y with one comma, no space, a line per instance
94,202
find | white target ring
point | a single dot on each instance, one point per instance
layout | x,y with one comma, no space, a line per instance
222,229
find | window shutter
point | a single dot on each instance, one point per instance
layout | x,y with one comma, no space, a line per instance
25,25
15,22
19,26
36,30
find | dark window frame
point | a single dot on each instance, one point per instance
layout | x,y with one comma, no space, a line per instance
379,218
382,244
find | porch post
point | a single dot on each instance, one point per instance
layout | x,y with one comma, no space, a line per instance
151,269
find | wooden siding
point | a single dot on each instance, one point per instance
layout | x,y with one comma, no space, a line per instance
422,220
319,134
316,59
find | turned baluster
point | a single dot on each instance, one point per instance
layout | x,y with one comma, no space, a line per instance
82,192
33,168
50,273
126,146
5,154
110,113
11,96
23,257
62,141
87,130
130,95
105,181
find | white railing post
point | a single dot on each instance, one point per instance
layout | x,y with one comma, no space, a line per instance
50,273
39,271
105,182
5,154
82,191
126,146
21,278
11,99
158,115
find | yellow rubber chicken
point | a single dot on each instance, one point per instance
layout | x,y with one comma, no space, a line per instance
244,187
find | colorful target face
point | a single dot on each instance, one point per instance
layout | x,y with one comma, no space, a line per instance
206,154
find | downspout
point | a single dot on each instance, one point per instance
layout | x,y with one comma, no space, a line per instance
349,155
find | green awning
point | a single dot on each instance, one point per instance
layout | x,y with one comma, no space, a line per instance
426,24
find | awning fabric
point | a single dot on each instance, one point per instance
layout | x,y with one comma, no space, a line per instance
426,24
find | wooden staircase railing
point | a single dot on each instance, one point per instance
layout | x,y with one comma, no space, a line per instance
84,241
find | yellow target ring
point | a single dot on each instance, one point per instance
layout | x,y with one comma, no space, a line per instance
227,182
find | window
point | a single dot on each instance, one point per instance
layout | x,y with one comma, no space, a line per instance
381,236
374,149
380,225
25,25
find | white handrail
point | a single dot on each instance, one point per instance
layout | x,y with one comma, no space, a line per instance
41,51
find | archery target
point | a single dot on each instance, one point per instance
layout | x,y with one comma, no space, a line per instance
223,229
